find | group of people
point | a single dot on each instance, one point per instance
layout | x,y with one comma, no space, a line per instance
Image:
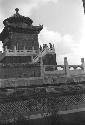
45,46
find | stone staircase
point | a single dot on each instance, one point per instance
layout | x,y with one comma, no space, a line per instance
43,53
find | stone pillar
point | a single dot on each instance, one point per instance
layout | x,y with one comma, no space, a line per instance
15,49
66,67
42,67
24,48
83,63
5,48
32,58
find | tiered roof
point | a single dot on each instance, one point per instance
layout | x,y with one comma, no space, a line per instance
19,23
17,18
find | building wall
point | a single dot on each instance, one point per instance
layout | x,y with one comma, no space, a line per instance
22,40
49,59
19,71
16,59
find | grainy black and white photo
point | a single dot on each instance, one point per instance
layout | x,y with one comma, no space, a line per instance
42,65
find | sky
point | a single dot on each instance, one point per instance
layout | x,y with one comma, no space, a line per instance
63,24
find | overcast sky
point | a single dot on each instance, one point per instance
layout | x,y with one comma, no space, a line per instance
63,21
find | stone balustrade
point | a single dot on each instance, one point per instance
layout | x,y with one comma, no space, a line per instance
60,72
16,52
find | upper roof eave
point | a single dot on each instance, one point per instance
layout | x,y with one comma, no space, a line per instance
17,17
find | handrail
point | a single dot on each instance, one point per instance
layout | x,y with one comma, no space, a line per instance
43,53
